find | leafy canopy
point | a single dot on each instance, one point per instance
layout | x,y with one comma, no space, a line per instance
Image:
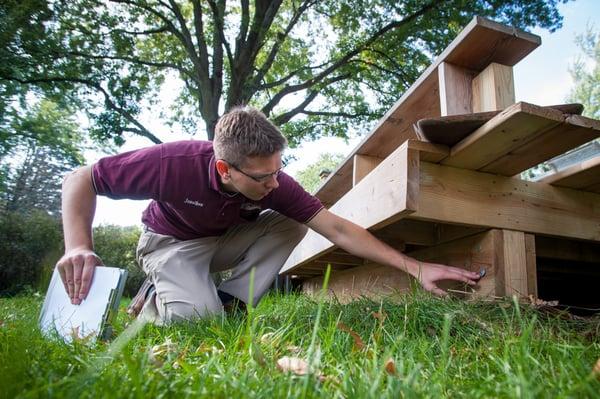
316,68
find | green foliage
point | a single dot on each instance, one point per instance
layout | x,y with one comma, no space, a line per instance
37,148
116,245
310,177
317,68
586,74
29,244
440,349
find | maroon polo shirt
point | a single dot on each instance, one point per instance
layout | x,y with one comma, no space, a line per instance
181,179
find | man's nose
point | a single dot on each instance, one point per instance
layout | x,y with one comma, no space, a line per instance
272,183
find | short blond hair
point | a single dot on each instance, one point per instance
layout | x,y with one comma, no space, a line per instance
245,132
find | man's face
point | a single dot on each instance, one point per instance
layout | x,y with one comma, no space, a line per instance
256,178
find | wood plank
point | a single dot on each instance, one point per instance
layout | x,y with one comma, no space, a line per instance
573,132
372,281
455,89
480,43
385,195
531,265
581,176
460,196
449,130
363,165
515,263
510,129
493,89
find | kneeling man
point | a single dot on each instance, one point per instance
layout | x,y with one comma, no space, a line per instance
215,206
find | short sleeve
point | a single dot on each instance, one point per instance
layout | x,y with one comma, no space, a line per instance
133,175
290,199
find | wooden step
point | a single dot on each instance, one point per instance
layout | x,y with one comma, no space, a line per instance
521,136
583,176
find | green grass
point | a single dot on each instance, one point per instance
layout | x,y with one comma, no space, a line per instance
441,348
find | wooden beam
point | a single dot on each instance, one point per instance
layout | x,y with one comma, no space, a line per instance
460,196
493,89
505,132
531,265
515,263
371,280
580,176
363,165
387,194
455,89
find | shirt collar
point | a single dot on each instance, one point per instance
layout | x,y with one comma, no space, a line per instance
213,179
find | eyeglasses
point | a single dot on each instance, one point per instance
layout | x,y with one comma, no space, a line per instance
259,178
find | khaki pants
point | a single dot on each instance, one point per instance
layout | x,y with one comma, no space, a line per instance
180,270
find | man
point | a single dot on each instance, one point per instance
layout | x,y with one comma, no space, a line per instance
216,206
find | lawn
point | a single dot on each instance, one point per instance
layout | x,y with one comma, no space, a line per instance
420,347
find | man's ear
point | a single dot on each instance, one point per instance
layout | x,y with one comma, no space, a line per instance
223,169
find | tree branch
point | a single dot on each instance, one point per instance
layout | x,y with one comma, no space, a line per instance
109,102
305,85
280,38
219,33
285,117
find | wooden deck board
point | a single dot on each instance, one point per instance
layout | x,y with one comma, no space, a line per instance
575,131
507,131
583,176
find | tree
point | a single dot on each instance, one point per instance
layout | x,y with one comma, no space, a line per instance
587,80
310,177
36,150
315,67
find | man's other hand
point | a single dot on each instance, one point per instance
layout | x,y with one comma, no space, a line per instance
76,269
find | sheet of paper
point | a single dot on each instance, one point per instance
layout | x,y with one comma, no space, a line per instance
84,320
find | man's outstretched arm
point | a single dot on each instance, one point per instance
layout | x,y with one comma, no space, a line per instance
358,241
77,265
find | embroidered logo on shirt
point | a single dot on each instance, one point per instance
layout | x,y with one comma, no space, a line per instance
195,203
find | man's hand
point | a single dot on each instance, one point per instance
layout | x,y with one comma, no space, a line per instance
430,273
358,241
76,270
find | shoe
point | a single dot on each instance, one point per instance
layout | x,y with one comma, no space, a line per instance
231,304
137,303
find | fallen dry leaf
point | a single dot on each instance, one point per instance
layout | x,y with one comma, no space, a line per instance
540,302
390,367
328,378
159,353
596,370
267,338
293,364
294,349
358,342
379,316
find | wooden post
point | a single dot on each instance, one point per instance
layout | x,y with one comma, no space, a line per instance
516,273
493,89
363,165
455,89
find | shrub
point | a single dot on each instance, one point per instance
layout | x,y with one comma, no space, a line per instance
28,244
116,247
